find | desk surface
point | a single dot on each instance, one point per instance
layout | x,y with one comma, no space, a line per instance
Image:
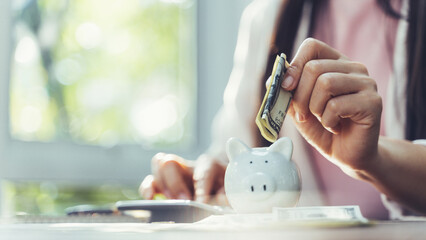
129,231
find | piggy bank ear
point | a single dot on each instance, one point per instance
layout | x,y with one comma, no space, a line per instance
284,146
235,147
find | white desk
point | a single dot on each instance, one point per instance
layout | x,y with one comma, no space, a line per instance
129,231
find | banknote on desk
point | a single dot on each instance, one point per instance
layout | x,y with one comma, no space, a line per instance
327,215
280,218
275,103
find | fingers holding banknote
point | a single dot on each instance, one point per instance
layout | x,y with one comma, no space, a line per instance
336,106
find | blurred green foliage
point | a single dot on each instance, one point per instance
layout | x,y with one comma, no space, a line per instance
89,71
49,198
99,73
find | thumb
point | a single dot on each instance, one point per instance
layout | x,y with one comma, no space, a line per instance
268,82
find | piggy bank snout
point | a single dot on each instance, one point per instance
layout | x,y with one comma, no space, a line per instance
259,186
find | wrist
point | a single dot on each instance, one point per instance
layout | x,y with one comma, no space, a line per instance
372,168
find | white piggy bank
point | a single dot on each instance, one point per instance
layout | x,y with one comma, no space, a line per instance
258,179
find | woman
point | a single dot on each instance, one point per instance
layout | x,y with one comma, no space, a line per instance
340,78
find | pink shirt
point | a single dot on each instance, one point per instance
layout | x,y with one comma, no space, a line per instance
360,30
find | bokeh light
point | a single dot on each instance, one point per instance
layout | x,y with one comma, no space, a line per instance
26,51
30,119
88,35
152,117
103,74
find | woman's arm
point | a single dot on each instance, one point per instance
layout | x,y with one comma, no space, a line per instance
399,171
337,109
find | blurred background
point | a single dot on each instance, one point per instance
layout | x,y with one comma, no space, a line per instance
92,89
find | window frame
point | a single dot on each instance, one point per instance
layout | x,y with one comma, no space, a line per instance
127,164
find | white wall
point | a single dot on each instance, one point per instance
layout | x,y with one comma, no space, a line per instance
218,22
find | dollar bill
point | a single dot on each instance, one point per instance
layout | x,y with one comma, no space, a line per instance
328,213
275,104
281,218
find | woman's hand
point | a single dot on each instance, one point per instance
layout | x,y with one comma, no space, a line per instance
336,106
171,176
177,178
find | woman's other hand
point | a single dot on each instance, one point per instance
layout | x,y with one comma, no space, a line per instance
171,176
178,178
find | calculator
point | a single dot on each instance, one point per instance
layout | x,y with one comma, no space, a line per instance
178,211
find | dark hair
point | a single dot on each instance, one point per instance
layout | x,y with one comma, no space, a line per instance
287,25
416,67
283,39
